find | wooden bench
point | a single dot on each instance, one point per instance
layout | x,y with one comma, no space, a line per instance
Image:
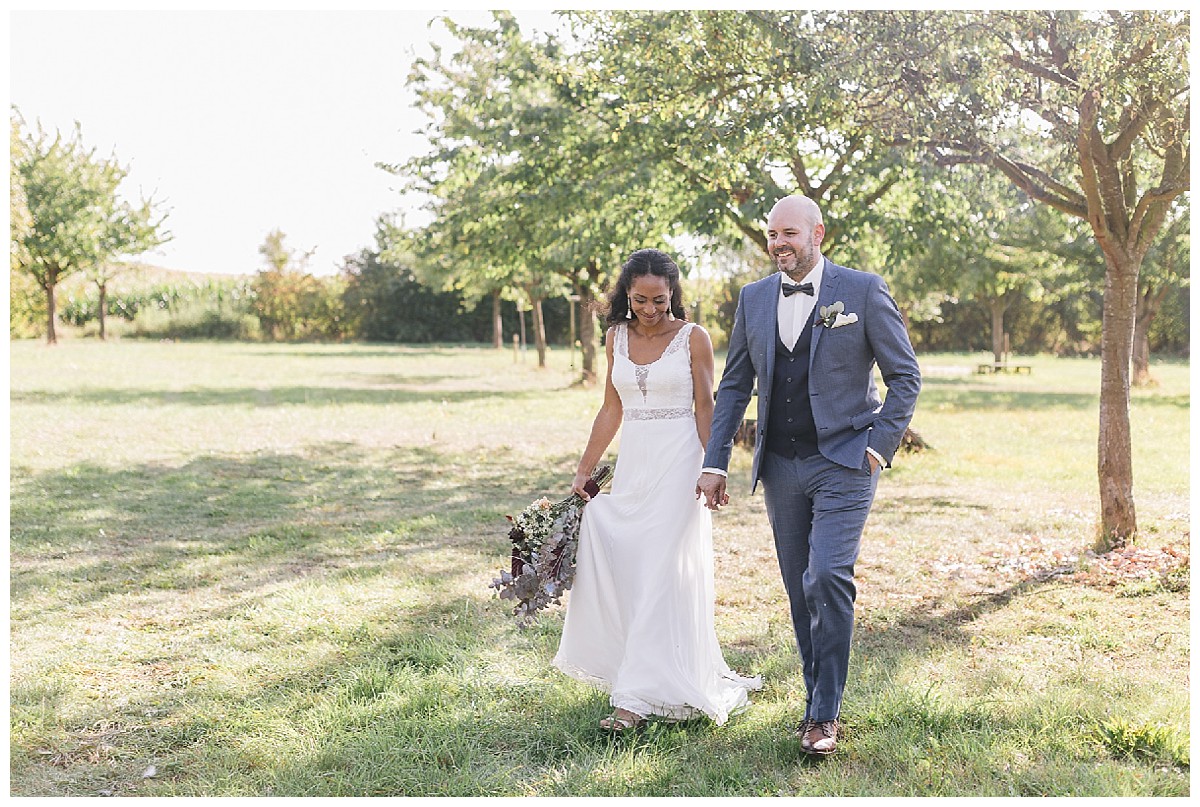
745,434
1003,367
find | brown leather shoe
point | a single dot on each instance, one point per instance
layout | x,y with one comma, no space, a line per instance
802,730
820,739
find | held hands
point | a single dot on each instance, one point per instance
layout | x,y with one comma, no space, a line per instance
712,487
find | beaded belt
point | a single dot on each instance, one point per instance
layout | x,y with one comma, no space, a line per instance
658,414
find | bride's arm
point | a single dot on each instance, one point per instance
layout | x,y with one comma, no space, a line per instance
604,427
703,372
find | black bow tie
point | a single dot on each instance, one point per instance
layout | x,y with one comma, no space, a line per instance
789,289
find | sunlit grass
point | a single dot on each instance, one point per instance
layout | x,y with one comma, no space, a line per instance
262,570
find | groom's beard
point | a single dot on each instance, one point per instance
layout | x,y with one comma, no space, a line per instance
795,264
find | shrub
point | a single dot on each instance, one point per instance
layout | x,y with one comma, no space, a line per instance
196,319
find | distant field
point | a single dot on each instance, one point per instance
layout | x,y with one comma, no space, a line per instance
261,569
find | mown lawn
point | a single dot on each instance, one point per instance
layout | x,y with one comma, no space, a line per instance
244,569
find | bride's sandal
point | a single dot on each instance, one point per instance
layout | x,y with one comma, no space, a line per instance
618,724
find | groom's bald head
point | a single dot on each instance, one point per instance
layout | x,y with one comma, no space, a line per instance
797,206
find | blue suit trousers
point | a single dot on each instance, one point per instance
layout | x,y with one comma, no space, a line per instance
817,510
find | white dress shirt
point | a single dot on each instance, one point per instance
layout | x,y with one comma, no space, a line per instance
795,311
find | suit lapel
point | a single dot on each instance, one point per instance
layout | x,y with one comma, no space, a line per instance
770,315
830,278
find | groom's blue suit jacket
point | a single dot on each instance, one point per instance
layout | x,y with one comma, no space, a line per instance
846,405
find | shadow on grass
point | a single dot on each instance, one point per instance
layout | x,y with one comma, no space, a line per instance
91,531
988,400
969,395
442,698
272,396
386,350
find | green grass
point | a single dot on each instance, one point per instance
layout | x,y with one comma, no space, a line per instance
263,569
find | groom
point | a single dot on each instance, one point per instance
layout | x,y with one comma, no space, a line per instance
809,337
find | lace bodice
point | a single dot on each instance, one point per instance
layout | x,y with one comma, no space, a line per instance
660,389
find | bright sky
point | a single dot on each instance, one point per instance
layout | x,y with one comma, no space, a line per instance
241,122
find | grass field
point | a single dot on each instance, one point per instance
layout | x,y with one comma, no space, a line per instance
242,569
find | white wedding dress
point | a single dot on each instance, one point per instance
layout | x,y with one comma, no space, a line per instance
639,620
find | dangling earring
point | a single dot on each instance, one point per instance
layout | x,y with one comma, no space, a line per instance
629,313
670,315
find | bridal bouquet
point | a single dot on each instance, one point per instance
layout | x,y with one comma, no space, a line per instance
544,539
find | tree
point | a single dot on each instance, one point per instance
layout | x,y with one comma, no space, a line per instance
290,303
24,309
480,240
530,195
739,109
1005,249
1166,268
20,220
1087,112
76,219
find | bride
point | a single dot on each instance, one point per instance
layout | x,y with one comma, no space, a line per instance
639,621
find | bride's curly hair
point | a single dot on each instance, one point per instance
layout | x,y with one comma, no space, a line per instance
644,262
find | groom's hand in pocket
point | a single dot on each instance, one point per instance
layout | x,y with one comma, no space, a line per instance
712,488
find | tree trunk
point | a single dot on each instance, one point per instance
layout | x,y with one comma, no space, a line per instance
1148,305
103,306
1118,519
51,308
497,322
998,306
539,330
587,324
587,336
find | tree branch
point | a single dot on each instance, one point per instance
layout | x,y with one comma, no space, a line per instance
1068,194
878,193
835,170
1035,190
800,172
1024,65
755,235
1133,123
1147,217
1088,110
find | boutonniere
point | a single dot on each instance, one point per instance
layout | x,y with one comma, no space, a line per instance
833,316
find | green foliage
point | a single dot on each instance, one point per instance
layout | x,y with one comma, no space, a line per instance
296,305
738,109
76,220
196,319
385,301
1157,743
532,198
20,220
289,302
26,305
1170,332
